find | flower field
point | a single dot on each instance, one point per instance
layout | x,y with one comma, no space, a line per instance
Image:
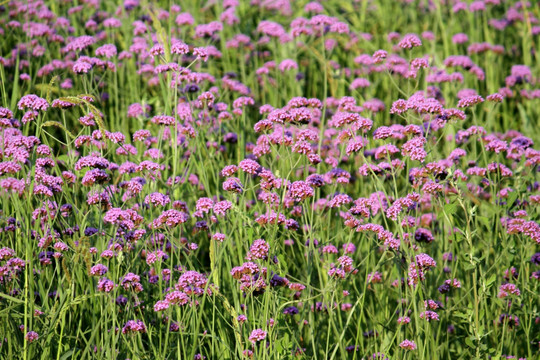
269,179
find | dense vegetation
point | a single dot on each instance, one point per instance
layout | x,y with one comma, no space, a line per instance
269,179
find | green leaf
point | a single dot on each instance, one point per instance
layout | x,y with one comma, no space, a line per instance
487,223
450,209
279,345
461,315
215,276
66,355
491,280
11,298
386,342
470,343
512,197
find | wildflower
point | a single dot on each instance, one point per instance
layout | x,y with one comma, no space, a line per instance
31,336
258,250
221,207
511,320
429,315
82,67
339,200
179,48
460,38
184,19
470,101
229,170
414,148
154,256
218,237
33,102
379,56
300,190
403,320
134,326
410,41
249,166
247,353
105,285
170,218
535,259
98,270
423,235
157,199
508,289
233,184
108,50
161,305
6,253
408,345
496,98
177,298
201,53
131,281
291,310
257,335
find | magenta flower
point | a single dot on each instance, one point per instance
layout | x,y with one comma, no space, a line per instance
31,336
134,326
105,285
429,316
257,335
410,41
408,345
508,289
258,250
403,320
108,51
98,270
470,101
33,102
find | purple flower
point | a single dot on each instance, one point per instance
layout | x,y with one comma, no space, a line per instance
33,102
105,285
257,335
249,166
31,336
170,218
82,67
508,289
535,259
233,184
98,270
409,41
291,310
221,207
470,101
6,253
258,250
460,38
108,50
300,190
79,43
134,326
157,199
429,315
408,345
161,305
